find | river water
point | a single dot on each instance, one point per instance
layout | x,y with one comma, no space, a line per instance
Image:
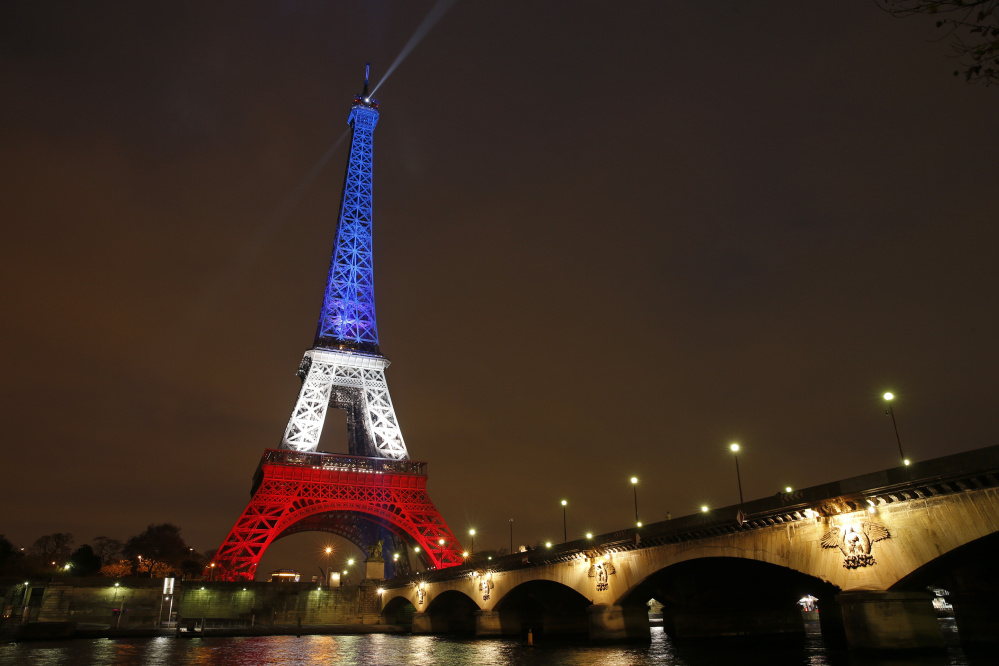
429,650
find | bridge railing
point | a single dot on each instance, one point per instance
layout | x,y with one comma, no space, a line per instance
347,463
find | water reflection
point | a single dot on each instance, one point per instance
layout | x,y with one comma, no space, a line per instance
432,650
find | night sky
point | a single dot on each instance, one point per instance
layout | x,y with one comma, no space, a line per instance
610,238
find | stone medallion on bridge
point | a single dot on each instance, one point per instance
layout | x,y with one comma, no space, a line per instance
855,542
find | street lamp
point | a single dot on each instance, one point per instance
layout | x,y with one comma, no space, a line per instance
564,532
327,574
890,412
735,451
634,486
471,534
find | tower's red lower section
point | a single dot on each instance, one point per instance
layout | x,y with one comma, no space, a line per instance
291,487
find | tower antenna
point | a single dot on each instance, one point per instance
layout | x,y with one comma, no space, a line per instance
367,73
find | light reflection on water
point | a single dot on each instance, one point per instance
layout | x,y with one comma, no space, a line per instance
432,650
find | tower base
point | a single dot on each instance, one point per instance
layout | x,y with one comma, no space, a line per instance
293,491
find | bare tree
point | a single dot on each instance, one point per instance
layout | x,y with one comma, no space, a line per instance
974,29
52,547
156,546
109,550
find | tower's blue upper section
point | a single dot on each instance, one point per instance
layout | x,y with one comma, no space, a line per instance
347,320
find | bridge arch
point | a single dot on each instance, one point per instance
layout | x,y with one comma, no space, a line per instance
950,569
738,596
970,578
399,611
451,612
545,607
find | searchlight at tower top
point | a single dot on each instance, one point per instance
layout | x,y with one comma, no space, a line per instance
365,98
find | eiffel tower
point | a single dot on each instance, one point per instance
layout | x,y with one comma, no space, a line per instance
375,490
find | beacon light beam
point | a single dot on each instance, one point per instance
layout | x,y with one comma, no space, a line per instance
251,250
436,12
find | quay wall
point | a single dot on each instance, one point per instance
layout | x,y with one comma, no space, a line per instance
137,603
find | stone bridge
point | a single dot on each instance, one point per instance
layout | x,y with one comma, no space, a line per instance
868,547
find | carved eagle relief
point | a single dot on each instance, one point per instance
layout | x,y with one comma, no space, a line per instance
855,543
607,567
485,585
601,572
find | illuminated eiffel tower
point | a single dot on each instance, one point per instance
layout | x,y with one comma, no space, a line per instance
376,488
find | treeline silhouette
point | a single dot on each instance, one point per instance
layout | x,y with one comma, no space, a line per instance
158,551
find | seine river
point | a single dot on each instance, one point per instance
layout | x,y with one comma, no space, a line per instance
395,649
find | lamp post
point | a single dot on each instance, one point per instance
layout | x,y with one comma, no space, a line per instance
735,451
326,574
564,531
471,534
890,412
634,486
511,536
440,542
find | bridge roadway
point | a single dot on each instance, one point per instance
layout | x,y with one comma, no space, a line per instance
868,547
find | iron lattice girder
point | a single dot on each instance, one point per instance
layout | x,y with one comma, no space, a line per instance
378,436
289,492
348,313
